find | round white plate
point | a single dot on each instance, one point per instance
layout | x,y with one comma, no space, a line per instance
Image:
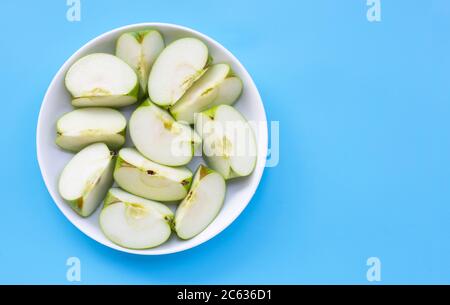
57,102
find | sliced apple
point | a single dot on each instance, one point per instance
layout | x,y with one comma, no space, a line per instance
134,222
228,91
139,50
86,178
201,205
82,127
142,177
160,138
178,66
229,144
102,79
215,87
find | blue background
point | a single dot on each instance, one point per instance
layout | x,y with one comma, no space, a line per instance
364,168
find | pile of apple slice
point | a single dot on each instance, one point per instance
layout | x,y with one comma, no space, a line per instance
185,104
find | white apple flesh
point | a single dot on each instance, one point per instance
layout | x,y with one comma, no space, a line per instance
201,205
142,177
160,138
178,66
102,79
140,50
82,127
215,87
228,91
86,178
134,222
229,144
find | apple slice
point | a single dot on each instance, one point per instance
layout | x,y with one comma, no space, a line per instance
215,87
201,205
229,144
140,176
86,178
139,50
178,66
228,91
160,138
102,79
82,127
134,222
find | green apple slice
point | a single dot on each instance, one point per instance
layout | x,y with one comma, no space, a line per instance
201,205
228,91
82,127
215,87
178,66
229,144
86,178
142,177
102,79
160,138
134,222
139,50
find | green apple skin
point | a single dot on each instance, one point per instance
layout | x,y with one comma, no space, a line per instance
206,196
147,179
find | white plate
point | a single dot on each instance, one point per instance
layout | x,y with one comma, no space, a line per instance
52,159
